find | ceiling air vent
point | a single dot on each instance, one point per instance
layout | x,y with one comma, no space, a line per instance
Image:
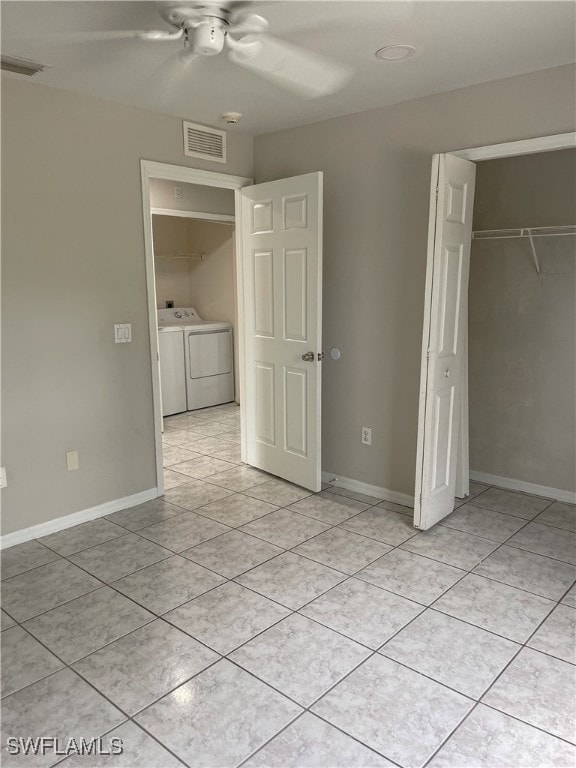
208,143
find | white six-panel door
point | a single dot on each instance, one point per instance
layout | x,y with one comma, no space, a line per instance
444,338
281,286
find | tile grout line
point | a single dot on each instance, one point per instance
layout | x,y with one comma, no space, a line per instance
346,576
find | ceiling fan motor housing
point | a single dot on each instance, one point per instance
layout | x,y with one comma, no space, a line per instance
208,37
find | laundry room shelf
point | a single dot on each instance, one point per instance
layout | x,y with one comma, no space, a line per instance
174,255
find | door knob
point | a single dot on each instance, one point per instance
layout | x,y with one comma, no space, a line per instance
308,357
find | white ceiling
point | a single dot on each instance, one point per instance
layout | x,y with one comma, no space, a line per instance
458,44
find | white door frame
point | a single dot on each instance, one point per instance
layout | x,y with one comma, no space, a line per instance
150,169
493,152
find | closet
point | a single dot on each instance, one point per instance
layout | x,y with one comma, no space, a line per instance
522,323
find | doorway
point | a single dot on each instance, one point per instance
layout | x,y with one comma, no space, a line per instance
442,470
279,318
212,187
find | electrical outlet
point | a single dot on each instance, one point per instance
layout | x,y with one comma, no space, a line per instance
178,192
3,480
366,436
72,461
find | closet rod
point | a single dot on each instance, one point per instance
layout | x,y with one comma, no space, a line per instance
528,232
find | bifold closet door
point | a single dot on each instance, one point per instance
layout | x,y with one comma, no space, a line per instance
444,338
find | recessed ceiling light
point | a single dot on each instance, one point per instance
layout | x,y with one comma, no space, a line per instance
395,52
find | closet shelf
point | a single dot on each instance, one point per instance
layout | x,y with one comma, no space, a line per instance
174,255
525,232
496,234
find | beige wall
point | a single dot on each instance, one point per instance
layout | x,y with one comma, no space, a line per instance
526,191
377,181
523,325
195,197
170,235
73,265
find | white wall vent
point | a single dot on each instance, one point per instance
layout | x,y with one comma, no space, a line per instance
207,143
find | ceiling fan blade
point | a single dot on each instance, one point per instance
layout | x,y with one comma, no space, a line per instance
307,74
169,79
79,38
244,23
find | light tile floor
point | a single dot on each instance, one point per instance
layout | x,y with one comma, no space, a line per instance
241,620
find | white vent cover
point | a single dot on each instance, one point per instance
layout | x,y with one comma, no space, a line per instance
208,143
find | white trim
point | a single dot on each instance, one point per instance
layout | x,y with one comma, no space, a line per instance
193,175
153,170
511,484
370,490
240,304
193,214
514,148
67,521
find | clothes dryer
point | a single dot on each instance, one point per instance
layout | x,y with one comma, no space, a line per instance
208,356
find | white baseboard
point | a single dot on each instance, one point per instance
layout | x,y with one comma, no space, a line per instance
370,490
67,521
510,484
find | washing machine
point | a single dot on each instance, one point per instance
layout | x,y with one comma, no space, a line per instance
208,357
172,370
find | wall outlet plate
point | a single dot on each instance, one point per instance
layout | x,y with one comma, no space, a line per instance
366,436
72,461
3,480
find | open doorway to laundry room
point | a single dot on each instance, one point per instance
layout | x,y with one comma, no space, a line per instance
193,236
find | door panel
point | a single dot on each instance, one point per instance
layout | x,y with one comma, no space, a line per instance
444,343
281,284
264,401
295,292
263,294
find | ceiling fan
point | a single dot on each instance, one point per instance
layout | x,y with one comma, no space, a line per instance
207,28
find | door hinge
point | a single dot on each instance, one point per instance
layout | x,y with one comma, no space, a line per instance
437,192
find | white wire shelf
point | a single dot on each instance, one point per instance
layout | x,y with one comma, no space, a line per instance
502,234
530,233
175,255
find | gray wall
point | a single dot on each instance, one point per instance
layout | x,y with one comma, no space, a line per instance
377,182
73,265
526,191
523,325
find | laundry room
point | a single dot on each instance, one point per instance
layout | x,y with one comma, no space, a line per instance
522,321
194,265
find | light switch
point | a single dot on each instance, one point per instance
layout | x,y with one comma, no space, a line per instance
122,333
